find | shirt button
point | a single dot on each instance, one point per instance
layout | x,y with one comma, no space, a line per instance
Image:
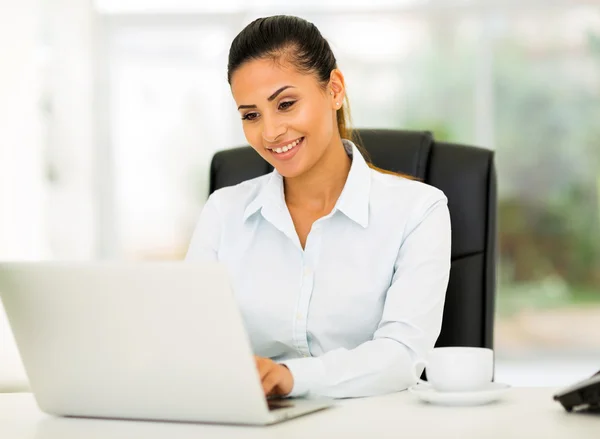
299,316
307,271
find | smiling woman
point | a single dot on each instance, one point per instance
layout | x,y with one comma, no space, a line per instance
283,110
340,270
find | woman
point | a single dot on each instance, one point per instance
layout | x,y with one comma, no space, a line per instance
340,270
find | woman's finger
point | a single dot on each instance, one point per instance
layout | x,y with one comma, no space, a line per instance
270,381
263,367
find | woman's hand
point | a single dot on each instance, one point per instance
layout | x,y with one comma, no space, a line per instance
277,380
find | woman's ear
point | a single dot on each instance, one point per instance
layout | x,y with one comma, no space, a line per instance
337,89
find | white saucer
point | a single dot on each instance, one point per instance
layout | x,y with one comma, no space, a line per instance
488,394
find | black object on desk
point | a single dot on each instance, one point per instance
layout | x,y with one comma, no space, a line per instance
582,396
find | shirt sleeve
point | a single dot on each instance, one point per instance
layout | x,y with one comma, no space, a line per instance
204,245
409,327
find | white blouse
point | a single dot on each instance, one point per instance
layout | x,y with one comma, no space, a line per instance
351,313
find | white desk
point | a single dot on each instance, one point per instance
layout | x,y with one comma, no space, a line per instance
523,413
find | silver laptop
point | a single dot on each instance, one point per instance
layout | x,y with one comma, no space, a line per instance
138,340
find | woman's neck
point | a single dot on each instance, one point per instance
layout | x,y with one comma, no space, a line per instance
318,189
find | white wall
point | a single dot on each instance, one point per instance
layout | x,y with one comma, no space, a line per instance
68,88
21,189
47,61
21,171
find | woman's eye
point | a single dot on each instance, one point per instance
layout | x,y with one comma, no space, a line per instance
249,116
286,105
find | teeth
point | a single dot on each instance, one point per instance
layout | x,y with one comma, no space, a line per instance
286,148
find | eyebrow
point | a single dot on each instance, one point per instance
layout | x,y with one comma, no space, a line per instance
270,98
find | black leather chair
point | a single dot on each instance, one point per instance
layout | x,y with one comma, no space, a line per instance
467,176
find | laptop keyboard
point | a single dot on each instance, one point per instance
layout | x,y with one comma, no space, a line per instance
277,404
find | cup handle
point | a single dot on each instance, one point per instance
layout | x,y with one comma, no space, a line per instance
416,377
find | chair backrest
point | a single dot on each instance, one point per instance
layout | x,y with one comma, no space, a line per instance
467,176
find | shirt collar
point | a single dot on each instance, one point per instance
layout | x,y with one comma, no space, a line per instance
353,201
271,195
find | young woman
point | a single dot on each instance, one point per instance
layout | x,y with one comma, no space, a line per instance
340,270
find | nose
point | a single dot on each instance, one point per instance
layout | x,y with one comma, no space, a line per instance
273,129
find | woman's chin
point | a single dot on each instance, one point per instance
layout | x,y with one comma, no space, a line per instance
290,171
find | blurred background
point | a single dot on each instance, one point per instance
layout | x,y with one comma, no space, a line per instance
110,111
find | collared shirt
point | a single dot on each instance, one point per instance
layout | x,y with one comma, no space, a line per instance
352,312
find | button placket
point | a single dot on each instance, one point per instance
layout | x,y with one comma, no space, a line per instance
310,254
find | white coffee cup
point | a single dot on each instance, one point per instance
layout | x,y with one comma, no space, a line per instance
458,369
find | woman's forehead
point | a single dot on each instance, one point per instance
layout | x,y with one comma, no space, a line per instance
259,78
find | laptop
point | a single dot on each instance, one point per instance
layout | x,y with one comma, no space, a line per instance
138,340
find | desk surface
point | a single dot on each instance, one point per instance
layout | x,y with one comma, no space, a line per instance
523,413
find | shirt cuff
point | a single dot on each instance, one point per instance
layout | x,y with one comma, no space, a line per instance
307,373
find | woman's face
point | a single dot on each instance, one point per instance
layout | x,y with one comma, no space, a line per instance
287,116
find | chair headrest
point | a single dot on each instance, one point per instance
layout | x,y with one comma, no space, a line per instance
405,152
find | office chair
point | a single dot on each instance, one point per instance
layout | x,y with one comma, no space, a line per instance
467,176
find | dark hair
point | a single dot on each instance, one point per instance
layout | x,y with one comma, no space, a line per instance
285,37
293,39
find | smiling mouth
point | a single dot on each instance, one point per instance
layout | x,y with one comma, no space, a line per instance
287,148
